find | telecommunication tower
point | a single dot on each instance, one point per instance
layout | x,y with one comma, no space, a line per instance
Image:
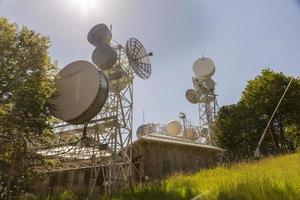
204,95
98,111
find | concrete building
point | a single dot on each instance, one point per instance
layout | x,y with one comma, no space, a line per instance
155,155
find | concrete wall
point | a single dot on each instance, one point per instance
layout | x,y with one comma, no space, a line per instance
156,160
72,180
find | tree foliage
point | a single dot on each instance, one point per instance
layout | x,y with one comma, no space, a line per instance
239,126
26,82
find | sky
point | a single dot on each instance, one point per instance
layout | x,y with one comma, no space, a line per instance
241,37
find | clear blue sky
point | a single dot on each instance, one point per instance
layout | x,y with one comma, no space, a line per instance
242,37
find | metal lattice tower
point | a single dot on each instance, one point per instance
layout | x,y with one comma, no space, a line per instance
114,134
103,144
207,112
204,95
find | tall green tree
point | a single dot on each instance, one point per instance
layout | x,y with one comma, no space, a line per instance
26,82
239,126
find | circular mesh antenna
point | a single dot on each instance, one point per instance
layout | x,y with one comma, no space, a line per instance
138,58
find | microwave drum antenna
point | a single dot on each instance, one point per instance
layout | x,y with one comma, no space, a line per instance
204,68
138,58
73,102
99,34
209,84
118,78
191,96
104,56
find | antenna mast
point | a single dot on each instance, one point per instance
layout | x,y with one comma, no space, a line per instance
204,95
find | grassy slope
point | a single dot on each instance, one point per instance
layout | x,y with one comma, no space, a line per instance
268,179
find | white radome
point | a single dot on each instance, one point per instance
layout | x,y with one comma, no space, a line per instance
82,90
174,127
203,68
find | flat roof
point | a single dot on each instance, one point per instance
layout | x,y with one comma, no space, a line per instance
174,140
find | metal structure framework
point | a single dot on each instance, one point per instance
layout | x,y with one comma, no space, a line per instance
115,134
207,112
103,144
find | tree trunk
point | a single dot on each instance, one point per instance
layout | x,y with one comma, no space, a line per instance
10,178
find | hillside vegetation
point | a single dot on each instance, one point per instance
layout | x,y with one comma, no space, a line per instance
268,179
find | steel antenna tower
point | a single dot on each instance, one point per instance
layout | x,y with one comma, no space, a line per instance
204,95
114,133
101,143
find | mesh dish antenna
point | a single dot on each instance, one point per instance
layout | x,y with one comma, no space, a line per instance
104,56
81,92
174,128
99,34
204,68
191,96
138,58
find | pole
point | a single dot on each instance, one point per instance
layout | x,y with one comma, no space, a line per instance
257,152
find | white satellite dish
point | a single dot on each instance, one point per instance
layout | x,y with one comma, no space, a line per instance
82,90
209,84
104,56
174,128
203,68
118,78
99,34
191,96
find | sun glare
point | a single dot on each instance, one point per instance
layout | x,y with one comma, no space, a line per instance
84,6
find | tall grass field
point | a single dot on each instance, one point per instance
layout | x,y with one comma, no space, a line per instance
267,179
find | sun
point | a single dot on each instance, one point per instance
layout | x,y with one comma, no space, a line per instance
84,6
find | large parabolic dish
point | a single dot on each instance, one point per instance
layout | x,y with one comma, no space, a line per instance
138,58
204,68
82,90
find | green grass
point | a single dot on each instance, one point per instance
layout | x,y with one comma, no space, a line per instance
268,179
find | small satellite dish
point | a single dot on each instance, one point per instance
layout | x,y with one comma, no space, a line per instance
191,134
141,131
138,58
145,129
209,84
104,56
99,34
203,68
118,78
191,96
174,127
82,90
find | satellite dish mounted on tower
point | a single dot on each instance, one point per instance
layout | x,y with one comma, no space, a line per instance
191,96
99,34
104,56
203,68
138,58
74,103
